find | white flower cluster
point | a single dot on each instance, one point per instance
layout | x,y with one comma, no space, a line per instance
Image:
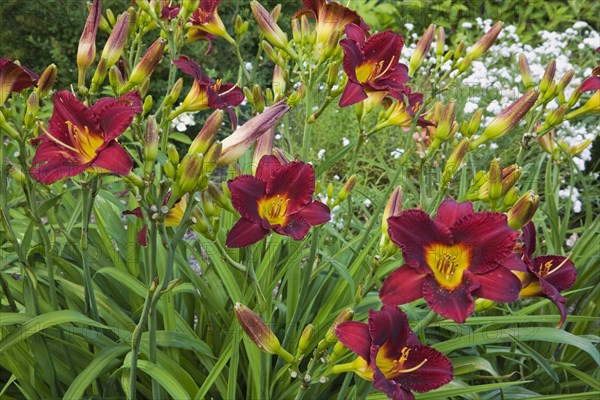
573,195
181,122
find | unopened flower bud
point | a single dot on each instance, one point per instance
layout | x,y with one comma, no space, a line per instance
332,75
219,197
440,39
6,127
46,80
423,46
207,134
147,63
169,169
172,154
393,207
465,63
16,173
455,161
264,147
151,139
268,26
147,106
260,333
546,142
270,52
173,95
86,51
460,48
117,82
510,198
495,180
116,41
474,123
187,8
444,127
330,46
339,350
564,81
212,157
279,82
554,117
579,147
525,71
31,110
191,168
510,176
305,340
548,76
259,100
508,118
523,210
347,188
296,32
242,138
330,336
486,41
240,27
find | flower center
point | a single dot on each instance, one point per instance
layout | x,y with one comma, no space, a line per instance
545,269
371,71
448,263
273,209
85,142
392,368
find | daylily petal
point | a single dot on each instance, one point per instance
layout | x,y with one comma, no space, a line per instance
266,167
294,181
114,159
388,326
191,67
68,108
435,372
412,230
553,294
230,95
457,304
315,213
451,211
142,236
245,233
393,389
296,227
53,162
489,236
498,285
353,93
356,34
137,212
590,83
529,239
246,190
515,263
115,115
384,46
402,286
353,56
355,336
561,278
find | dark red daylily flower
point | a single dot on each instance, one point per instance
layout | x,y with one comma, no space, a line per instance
372,65
206,20
391,355
14,78
278,198
169,12
544,276
81,138
205,93
330,17
450,259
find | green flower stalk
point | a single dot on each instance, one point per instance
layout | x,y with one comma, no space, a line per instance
260,333
523,210
423,46
508,118
393,207
46,80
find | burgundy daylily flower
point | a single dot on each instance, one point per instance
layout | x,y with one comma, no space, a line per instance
169,12
81,138
207,94
372,65
450,259
544,276
14,78
330,17
206,21
278,198
391,355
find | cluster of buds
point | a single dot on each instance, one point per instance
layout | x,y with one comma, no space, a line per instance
334,199
496,184
559,148
393,207
267,23
446,126
330,337
523,210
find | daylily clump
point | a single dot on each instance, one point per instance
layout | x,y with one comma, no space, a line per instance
81,138
391,355
277,198
451,258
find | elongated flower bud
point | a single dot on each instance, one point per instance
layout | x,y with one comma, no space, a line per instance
495,180
510,176
147,63
460,49
86,52
508,118
242,138
486,41
191,168
444,127
454,161
15,172
240,26
554,117
296,32
6,127
31,110
421,50
116,41
173,95
523,210
525,71
264,146
207,134
305,339
592,106
46,80
565,80
546,142
347,188
392,208
211,159
150,144
548,76
116,79
575,150
258,99
330,336
259,332
172,154
279,82
268,26
440,39
474,123
219,197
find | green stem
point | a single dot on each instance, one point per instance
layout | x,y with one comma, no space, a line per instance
88,191
306,136
424,323
136,341
153,243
